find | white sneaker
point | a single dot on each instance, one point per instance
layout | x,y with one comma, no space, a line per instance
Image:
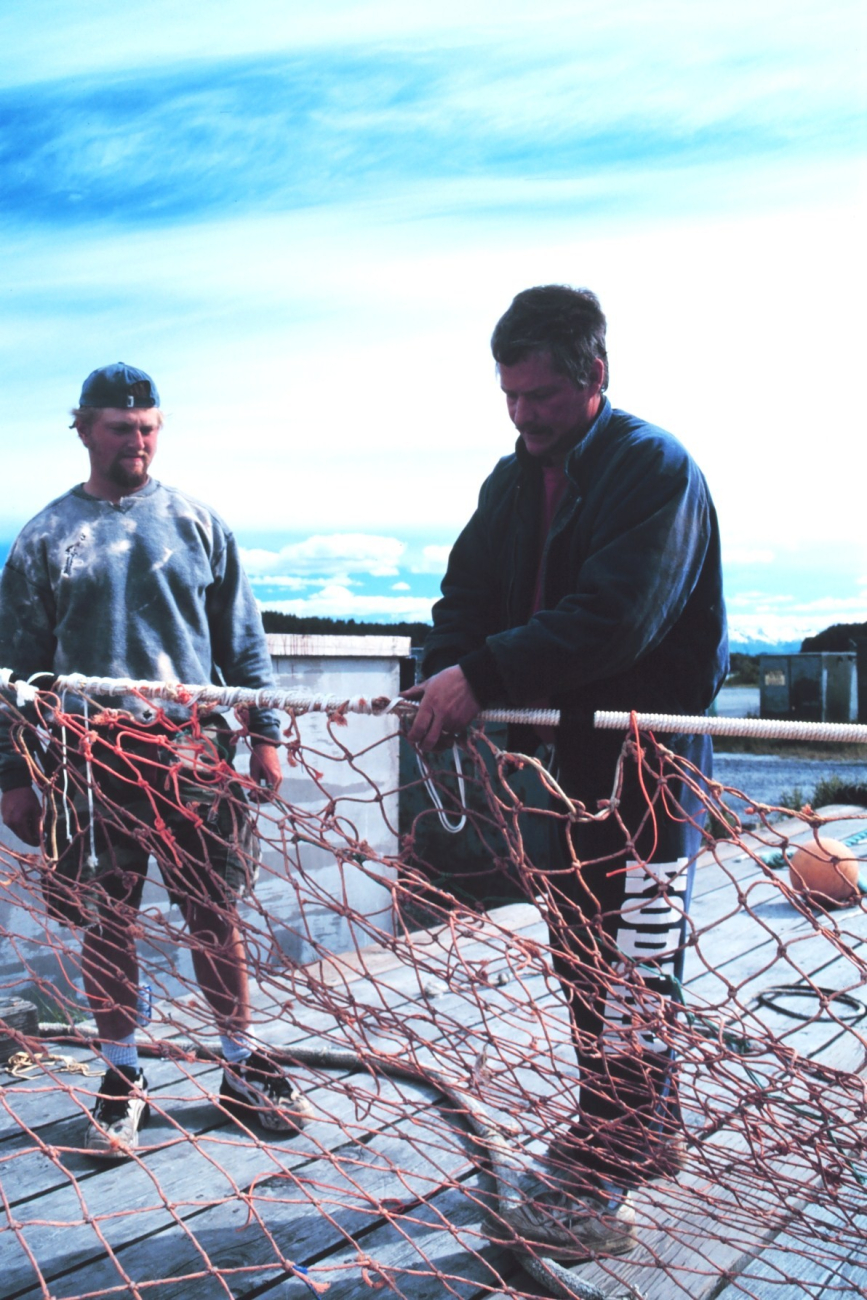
573,1226
256,1090
121,1109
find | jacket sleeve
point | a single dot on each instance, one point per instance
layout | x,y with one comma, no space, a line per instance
237,636
467,612
27,646
644,552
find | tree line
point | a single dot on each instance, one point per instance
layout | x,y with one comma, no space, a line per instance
744,668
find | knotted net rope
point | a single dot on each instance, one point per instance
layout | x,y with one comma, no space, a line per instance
427,1025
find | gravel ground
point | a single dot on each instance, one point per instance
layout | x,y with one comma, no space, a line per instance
765,777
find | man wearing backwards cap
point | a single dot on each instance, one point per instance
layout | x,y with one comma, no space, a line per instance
124,577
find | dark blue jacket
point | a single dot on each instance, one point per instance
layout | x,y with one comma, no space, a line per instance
632,614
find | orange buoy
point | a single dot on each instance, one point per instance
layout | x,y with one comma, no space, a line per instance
826,870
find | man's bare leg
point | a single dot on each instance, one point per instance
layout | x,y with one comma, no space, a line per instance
220,964
254,1089
109,965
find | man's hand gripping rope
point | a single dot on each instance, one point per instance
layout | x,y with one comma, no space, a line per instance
446,707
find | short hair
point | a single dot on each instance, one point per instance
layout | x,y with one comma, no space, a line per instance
83,417
567,323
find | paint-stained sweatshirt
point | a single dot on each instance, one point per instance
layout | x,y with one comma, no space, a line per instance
150,588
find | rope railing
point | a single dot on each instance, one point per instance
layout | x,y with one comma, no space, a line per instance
301,702
846,733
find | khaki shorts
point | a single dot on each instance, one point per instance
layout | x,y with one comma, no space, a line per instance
173,803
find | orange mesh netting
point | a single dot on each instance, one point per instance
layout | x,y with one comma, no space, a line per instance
404,977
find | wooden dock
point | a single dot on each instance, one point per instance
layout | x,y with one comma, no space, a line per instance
383,1194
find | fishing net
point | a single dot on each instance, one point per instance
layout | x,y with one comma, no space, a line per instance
408,976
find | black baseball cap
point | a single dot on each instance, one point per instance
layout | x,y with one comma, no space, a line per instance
119,385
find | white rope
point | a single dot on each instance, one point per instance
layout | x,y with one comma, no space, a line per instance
292,701
24,692
766,728
272,697
453,828
64,767
92,861
299,701
525,717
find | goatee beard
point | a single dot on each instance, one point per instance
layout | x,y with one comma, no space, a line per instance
127,478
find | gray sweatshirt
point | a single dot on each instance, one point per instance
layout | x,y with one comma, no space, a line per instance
151,588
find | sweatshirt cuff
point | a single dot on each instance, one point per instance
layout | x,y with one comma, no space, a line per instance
483,674
267,733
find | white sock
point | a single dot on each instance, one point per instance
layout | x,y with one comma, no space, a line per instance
122,1052
235,1048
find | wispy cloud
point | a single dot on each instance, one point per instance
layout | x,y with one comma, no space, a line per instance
304,221
329,125
788,617
332,554
748,555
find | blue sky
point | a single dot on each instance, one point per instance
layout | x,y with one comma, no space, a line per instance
305,224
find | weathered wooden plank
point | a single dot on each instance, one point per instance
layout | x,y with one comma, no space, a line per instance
430,1252
856,1274
297,1213
35,1161
29,1100
776,945
516,1017
729,863
53,1173
723,1211
139,1223
425,946
29,1105
796,1268
696,1248
787,931
177,1181
414,1263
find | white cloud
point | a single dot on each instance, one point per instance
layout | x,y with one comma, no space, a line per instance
334,554
326,369
413,302
761,616
339,602
434,560
292,583
51,38
401,586
748,555
853,607
758,600
806,604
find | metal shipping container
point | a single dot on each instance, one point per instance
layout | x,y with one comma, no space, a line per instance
820,687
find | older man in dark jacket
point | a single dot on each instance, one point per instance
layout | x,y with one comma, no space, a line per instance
589,578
